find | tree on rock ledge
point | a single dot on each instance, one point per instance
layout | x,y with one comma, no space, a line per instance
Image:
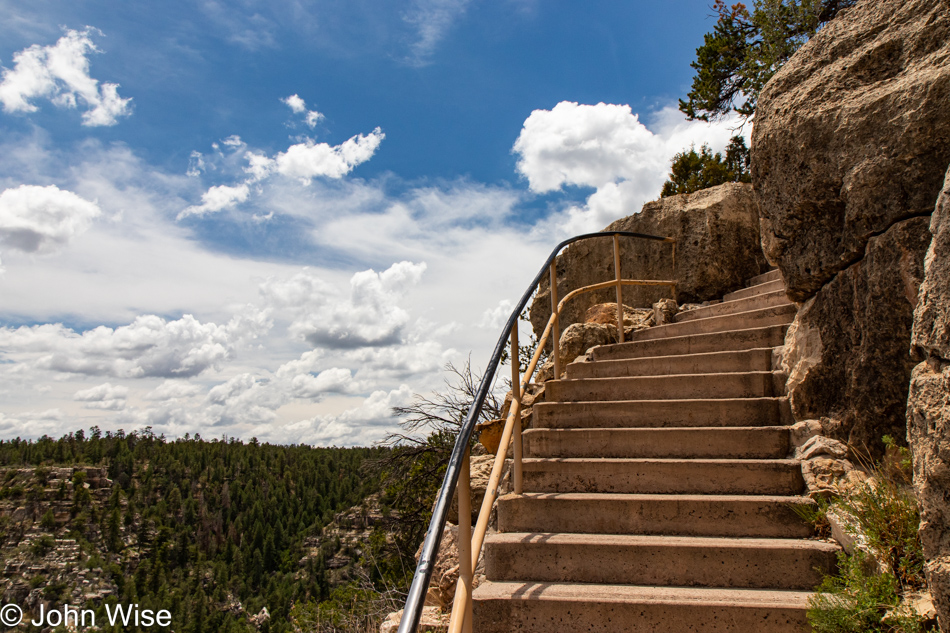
746,48
691,171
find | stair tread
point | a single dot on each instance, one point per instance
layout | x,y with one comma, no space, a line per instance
707,341
699,357
748,291
603,593
719,376
640,497
661,540
728,307
723,320
660,460
770,275
665,429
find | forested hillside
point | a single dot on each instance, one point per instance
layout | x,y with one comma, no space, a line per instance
214,531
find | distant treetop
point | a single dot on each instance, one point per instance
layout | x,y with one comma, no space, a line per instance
691,171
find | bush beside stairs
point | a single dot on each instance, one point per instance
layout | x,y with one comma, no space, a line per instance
658,492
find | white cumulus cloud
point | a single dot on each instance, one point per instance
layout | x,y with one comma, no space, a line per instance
358,426
295,103
105,396
305,161
313,117
607,147
218,198
302,161
148,347
36,218
60,73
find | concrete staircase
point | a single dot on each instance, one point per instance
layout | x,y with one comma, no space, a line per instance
658,496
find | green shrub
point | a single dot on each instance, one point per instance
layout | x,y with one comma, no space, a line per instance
43,545
863,598
857,600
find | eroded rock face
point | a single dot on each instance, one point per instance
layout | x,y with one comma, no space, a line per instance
932,315
717,250
928,409
928,432
847,351
851,136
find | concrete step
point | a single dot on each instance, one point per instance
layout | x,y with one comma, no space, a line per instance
664,476
764,516
766,336
726,412
681,561
751,291
759,359
769,442
775,315
772,275
753,384
532,607
756,302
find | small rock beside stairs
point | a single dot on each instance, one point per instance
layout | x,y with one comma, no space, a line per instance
658,492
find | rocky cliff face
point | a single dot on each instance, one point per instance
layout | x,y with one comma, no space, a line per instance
928,409
847,354
717,250
848,151
851,136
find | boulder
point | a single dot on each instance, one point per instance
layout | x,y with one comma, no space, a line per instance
928,410
664,311
820,445
846,353
606,313
824,475
717,250
851,136
580,337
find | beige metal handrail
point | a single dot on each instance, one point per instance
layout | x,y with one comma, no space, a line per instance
470,543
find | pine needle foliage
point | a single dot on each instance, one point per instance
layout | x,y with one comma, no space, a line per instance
691,172
746,48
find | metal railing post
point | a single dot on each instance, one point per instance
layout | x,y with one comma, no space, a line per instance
556,330
619,288
465,543
516,403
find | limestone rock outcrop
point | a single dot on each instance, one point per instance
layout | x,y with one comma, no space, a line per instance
851,136
928,409
846,353
717,250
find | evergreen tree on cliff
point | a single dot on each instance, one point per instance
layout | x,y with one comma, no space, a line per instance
691,171
746,48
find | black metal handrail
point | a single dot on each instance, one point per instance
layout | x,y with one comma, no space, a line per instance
430,547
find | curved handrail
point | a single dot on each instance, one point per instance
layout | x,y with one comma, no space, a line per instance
430,547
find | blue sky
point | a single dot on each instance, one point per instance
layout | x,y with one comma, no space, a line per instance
283,218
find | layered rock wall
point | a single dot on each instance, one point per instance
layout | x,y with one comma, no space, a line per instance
847,351
851,140
928,408
851,136
717,250
849,152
